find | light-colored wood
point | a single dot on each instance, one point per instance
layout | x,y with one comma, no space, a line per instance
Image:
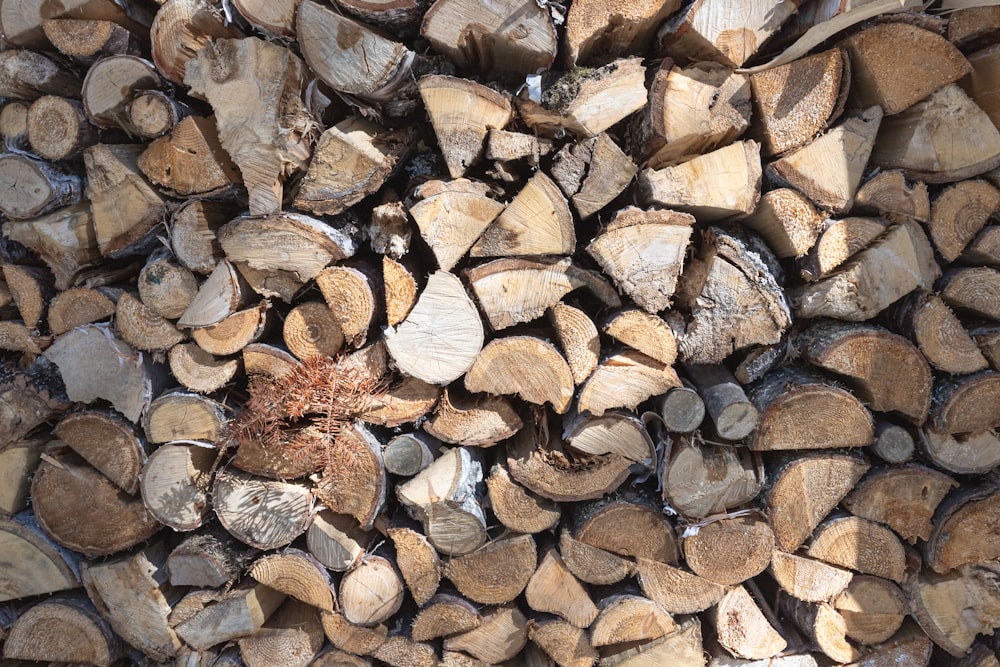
30,288
860,545
451,215
218,297
828,170
626,524
198,370
729,551
190,160
400,284
629,618
742,628
403,402
166,287
78,306
234,332
873,609
953,608
18,460
962,453
542,376
517,508
34,187
37,564
267,133
372,592
240,612
787,220
675,589
616,431
109,85
965,404
807,579
183,416
515,37
347,636
554,589
958,537
578,338
893,443
443,615
823,625
592,564
181,29
310,329
416,345
399,650
903,498
890,194
276,18
265,514
58,128
95,363
192,233
65,240
351,160
207,559
537,222
175,484
153,113
929,144
143,328
958,213
63,629
107,442
292,636
596,31
837,242
443,496
592,173
462,113
701,479
567,645
496,572
473,420
84,511
14,124
298,575
624,379
418,561
337,540
501,636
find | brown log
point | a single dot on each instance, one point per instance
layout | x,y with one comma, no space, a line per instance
568,646
542,375
967,28
501,636
354,480
807,579
400,285
673,126
418,562
958,213
971,290
928,321
235,332
517,508
445,614
41,633
873,609
276,18
496,572
207,559
958,537
626,524
292,636
473,420
578,338
735,174
198,370
729,551
108,443
35,187
823,477
354,294
28,75
143,328
58,128
965,404
554,589
625,617
399,650
78,306
822,624
953,608
30,396
166,287
701,479
37,564
153,113
676,589
595,31
860,545
240,612
903,498
347,636
372,592
30,288
182,28
14,125
189,160
351,161
890,195
536,222
837,242
683,648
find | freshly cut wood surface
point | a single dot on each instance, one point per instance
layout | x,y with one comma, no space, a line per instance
111,82
938,333
629,618
958,213
292,635
807,579
953,608
743,629
823,625
958,536
63,629
240,612
592,173
516,507
729,551
965,404
788,221
593,27
501,635
443,615
616,431
451,215
418,562
372,592
873,609
962,453
903,498
860,545
624,379
536,222
627,525
526,366
837,241
262,513
108,443
890,194
592,564
178,415
702,479
554,589
496,572
683,648
472,420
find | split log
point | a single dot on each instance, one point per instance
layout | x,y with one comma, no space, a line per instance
967,27
578,338
628,525
953,608
565,644
27,75
240,612
58,128
110,520
193,229
181,29
133,594
401,16
496,572
677,590
110,84
351,161
462,113
593,28
629,618
554,589
262,513
536,222
962,453
37,565
517,508
691,110
788,221
29,397
592,564
984,248
734,171
177,415
811,170
513,37
860,545
643,252
34,187
928,321
143,328
78,306
418,562
298,575
189,160
400,284
354,294
965,404
274,116
616,431
624,379
175,484
14,125
902,498
108,443
742,628
958,213
337,540
823,625
347,636
891,195
277,19
63,629
198,370
209,559
929,144
18,460
445,614
292,635
416,345
837,242
31,289
235,332
729,551
399,650
524,365
451,215
702,479
683,648
587,102
873,609
217,298
807,579
501,636
824,478
958,537
592,173
354,480
443,496
472,420
715,330
972,290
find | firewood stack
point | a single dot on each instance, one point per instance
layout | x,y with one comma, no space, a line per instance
414,333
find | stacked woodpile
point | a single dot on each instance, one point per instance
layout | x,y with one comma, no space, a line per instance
464,333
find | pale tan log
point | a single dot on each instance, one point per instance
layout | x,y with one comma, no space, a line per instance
860,545
800,99
824,478
930,144
626,524
714,186
722,322
347,636
310,329
512,290
958,213
275,116
418,562
462,113
241,611
743,629
234,332
505,146
30,288
717,31
729,551
890,194
886,371
807,579
681,648
403,402
910,644
627,617
298,575
982,84
166,287
903,498
280,514
822,624
500,637
984,248
337,540
198,370
616,431
372,592
416,345
18,460
895,78
153,113
972,290
34,187
175,484
674,127
592,173
512,37
399,650
445,614
392,15
566,645
828,170
277,18
354,480
443,496
207,559
624,379
268,360
143,328
399,280
28,397
891,266
542,374
496,572
592,564
838,241
354,295
701,479
538,460
183,416
578,338
182,28
22,22
677,590
292,636
873,609
331,657
58,128
132,593
126,208
221,295
28,75
962,453
958,536
451,215
788,221
351,161
83,510
955,607
517,508
537,222
193,228
338,62
37,565
109,85
108,443
965,404
78,306
189,160
588,102
16,337
96,364
14,124
594,30
63,629
643,252
554,589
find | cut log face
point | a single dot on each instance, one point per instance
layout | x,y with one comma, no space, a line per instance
624,379
537,222
702,479
972,290
616,431
190,160
495,573
512,37
683,648
175,484
807,579
896,78
824,625
518,508
729,551
903,498
594,28
66,241
873,609
109,85
554,589
966,404
451,215
788,221
181,28
959,537
889,194
629,618
526,366
501,636
83,636
35,187
262,513
472,420
107,442
628,526
592,173
37,565
418,562
18,460
240,612
837,242
860,545
953,608
962,453
743,629
958,214
298,575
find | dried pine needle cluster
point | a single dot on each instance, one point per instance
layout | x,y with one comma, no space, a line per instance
303,413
